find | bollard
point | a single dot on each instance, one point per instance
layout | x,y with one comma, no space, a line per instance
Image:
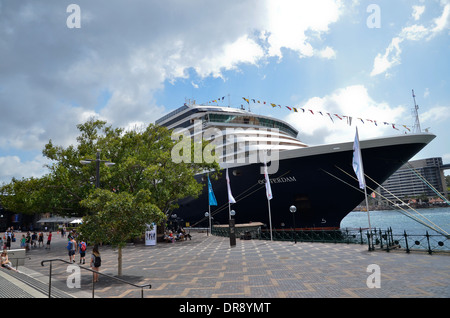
429,246
406,242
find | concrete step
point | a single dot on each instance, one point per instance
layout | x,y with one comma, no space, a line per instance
18,284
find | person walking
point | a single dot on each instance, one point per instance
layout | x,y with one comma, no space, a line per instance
22,241
71,247
96,262
28,241
8,242
49,240
82,249
33,239
41,239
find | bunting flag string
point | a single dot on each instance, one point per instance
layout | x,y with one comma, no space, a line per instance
218,100
349,119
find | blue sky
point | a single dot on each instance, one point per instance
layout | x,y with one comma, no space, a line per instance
131,62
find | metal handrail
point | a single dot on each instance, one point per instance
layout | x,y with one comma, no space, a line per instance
93,272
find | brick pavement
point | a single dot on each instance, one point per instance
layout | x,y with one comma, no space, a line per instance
206,267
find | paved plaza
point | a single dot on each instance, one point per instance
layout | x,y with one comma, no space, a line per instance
207,267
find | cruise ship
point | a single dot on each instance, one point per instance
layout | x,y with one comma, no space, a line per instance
318,180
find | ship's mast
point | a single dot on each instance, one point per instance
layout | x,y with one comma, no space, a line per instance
416,115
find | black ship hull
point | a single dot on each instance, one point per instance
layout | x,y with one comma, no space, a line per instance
312,179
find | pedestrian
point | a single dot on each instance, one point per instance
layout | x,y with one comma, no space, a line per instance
28,241
82,252
49,240
41,239
2,244
72,246
33,239
8,242
96,261
22,241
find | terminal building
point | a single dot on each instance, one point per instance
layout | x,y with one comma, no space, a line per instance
407,182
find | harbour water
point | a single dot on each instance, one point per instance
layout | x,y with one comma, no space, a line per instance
399,222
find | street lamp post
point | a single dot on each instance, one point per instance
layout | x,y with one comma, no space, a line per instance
293,209
209,228
97,166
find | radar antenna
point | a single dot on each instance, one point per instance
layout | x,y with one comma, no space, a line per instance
416,128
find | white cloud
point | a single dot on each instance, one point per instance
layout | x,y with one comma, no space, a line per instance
417,12
328,53
442,22
352,101
243,50
435,115
391,57
13,166
293,24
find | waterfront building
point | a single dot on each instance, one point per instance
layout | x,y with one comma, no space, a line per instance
407,182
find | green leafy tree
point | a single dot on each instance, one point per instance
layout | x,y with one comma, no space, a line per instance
143,169
118,217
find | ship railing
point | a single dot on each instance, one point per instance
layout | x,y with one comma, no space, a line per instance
376,239
349,236
353,236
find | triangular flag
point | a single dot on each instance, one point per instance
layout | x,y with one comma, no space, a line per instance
357,162
211,196
230,196
268,188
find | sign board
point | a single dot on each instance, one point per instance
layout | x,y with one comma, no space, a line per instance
150,235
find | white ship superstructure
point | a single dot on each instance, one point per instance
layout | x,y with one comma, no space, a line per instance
238,135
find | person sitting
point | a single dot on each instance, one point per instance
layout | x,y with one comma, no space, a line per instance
169,237
6,262
186,235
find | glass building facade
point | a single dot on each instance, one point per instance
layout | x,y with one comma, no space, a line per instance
407,181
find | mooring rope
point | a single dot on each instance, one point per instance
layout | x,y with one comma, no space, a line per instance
417,173
441,231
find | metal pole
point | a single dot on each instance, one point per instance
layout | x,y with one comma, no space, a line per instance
50,281
367,208
93,284
209,212
97,168
270,220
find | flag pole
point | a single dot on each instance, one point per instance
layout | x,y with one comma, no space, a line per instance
209,214
359,170
270,220
211,199
367,208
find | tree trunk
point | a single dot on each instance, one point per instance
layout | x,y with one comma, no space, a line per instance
119,262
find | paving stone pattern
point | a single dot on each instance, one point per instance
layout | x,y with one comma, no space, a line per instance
207,267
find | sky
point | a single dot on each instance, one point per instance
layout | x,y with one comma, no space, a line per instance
130,62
